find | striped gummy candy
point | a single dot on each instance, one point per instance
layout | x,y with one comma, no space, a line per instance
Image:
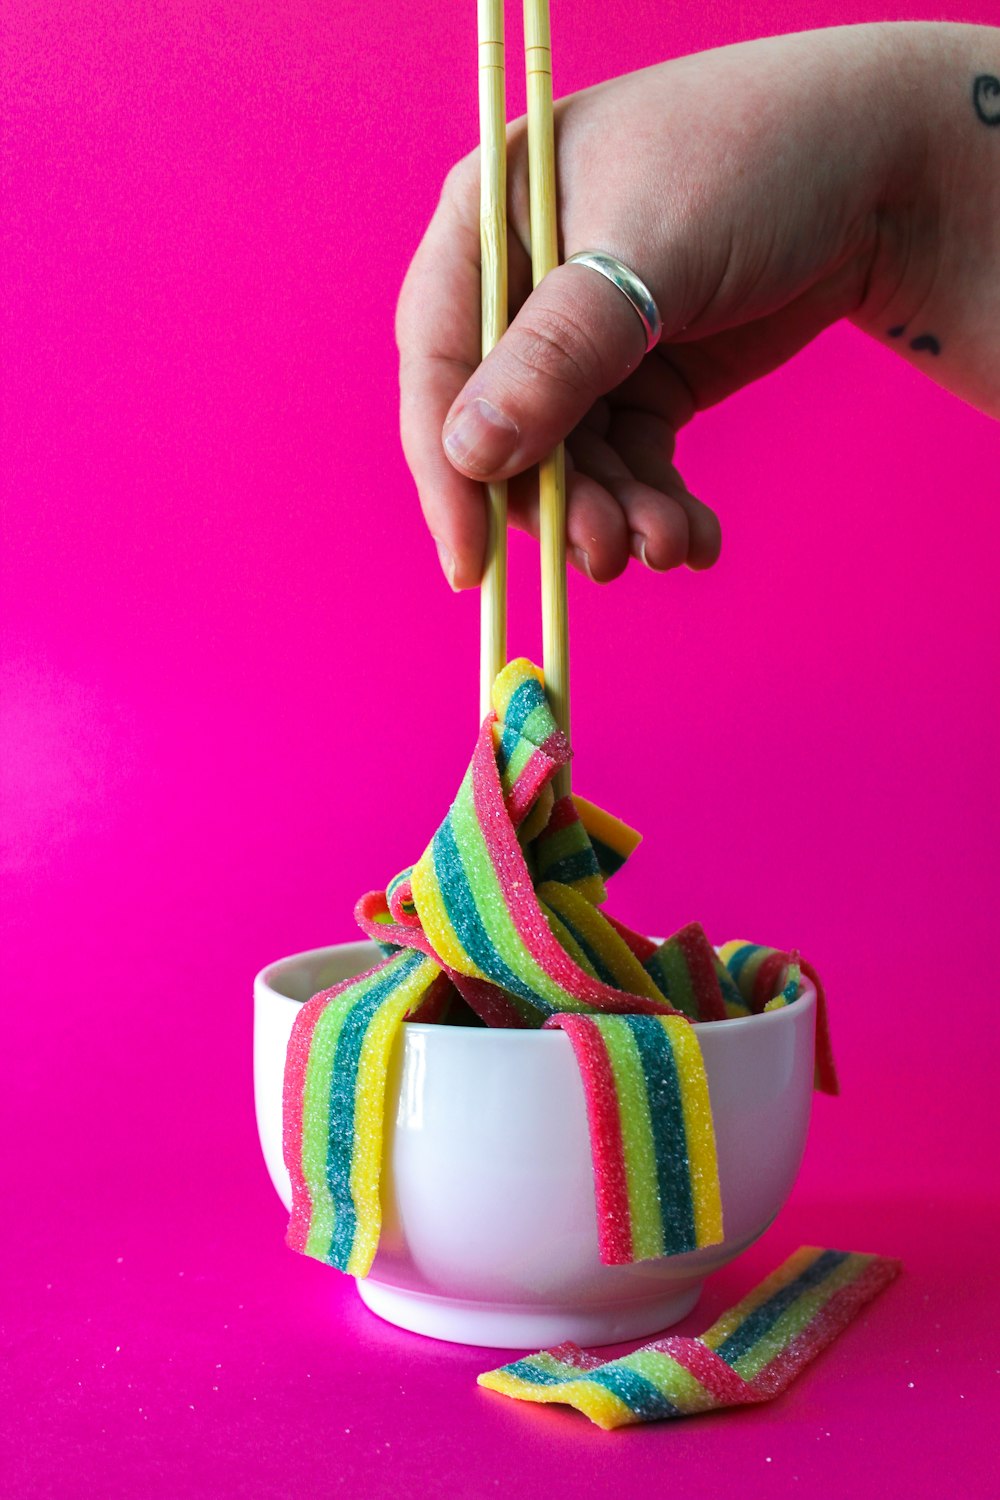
751,1354
503,908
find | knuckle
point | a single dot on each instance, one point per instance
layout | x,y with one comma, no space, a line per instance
461,183
554,348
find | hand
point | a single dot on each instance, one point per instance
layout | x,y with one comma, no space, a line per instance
762,192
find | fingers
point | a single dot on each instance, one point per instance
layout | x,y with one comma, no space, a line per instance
575,338
437,331
645,444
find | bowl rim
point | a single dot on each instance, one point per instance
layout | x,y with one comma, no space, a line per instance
424,1028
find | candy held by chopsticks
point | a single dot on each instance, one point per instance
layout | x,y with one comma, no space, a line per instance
751,1354
473,915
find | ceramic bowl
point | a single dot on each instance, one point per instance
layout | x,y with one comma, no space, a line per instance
489,1231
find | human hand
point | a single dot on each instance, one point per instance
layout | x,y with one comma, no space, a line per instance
762,192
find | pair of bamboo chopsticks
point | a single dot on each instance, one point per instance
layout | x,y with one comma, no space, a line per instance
544,258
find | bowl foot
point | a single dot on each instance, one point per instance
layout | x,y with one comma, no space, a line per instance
511,1326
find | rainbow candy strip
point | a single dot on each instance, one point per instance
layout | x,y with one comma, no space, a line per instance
694,979
767,978
335,1072
475,896
651,1134
503,908
751,1354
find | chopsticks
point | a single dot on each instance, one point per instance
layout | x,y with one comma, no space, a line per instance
552,470
544,258
493,252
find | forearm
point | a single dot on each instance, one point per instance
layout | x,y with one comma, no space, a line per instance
934,290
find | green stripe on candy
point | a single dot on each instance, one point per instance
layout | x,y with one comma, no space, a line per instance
669,1134
638,1144
323,1081
492,906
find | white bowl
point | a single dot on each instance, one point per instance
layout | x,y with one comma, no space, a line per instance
489,1231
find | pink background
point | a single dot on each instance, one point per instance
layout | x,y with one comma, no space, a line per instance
219,601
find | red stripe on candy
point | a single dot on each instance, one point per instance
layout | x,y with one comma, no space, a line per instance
699,955
831,1319
507,859
614,1220
826,1070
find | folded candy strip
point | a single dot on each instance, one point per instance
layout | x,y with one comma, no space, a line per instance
751,1354
656,1175
503,907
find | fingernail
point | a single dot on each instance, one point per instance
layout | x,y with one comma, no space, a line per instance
582,560
447,563
479,437
639,551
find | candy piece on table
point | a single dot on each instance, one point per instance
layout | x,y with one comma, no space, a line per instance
751,1354
334,1106
686,972
651,1134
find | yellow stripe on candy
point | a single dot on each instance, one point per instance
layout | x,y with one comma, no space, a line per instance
786,1272
618,836
435,920
565,938
699,1129
602,1406
627,973
510,679
797,1317
679,1386
369,1113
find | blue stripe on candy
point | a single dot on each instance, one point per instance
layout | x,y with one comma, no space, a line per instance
639,1394
460,906
593,956
527,1370
340,1147
528,696
763,1318
523,702
572,867
666,1110
736,960
609,861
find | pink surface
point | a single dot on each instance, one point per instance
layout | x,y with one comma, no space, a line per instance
217,575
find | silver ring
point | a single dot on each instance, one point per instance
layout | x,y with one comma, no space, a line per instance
634,288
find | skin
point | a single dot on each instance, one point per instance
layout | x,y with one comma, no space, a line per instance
762,192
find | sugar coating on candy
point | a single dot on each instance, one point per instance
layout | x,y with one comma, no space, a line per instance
334,1091
766,975
751,1354
651,1134
500,915
686,971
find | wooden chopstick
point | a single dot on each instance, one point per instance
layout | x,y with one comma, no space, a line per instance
493,247
552,470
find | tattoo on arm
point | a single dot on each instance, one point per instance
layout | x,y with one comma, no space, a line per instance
924,343
986,98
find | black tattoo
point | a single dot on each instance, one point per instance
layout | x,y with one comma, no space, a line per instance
986,98
924,343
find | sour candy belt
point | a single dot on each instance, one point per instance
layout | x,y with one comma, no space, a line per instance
751,1354
502,909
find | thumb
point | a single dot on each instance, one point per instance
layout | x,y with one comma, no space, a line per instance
576,337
